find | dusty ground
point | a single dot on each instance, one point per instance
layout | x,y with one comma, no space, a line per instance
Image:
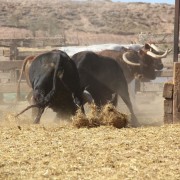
64,152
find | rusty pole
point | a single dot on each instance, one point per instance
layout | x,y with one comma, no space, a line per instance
176,31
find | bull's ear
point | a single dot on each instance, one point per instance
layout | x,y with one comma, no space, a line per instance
147,47
141,52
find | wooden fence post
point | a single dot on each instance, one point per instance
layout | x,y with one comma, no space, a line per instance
168,102
176,93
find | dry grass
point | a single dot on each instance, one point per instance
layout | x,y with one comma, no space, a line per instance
50,151
73,19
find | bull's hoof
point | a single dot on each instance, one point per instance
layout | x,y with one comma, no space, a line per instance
36,121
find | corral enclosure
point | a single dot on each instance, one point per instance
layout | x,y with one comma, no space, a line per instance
60,150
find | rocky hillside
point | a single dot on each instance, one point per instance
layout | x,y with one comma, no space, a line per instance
52,18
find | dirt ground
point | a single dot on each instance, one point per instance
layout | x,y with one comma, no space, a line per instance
62,151
51,151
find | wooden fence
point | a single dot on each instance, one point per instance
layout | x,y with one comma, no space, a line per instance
9,71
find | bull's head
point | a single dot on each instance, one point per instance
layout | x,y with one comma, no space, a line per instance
145,60
157,54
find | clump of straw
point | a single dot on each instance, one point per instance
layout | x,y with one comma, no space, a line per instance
110,116
93,116
107,116
80,120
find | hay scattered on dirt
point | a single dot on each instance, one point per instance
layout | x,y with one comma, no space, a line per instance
110,116
10,119
80,120
107,116
65,152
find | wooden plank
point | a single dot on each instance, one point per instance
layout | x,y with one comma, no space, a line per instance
34,42
6,52
165,73
25,52
168,118
176,93
168,90
151,87
29,53
8,65
168,106
12,87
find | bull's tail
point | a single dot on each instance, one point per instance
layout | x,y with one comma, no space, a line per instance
20,76
50,95
29,107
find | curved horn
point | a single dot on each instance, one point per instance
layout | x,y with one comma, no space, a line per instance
157,56
169,50
129,62
157,49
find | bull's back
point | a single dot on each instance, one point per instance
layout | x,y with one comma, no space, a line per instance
111,53
95,62
98,67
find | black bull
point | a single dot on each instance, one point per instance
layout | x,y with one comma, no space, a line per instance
55,83
102,77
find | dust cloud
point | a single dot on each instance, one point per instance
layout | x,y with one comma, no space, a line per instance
148,108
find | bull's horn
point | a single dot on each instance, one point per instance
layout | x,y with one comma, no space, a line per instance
157,49
127,61
156,56
169,50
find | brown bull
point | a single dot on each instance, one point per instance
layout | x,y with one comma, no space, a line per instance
25,70
138,64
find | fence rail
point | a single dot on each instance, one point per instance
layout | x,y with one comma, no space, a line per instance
12,87
10,65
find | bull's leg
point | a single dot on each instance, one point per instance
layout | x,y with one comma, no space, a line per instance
35,110
129,105
87,97
114,99
125,97
32,102
78,100
29,96
38,117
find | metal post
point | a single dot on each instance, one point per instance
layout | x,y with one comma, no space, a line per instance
176,31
